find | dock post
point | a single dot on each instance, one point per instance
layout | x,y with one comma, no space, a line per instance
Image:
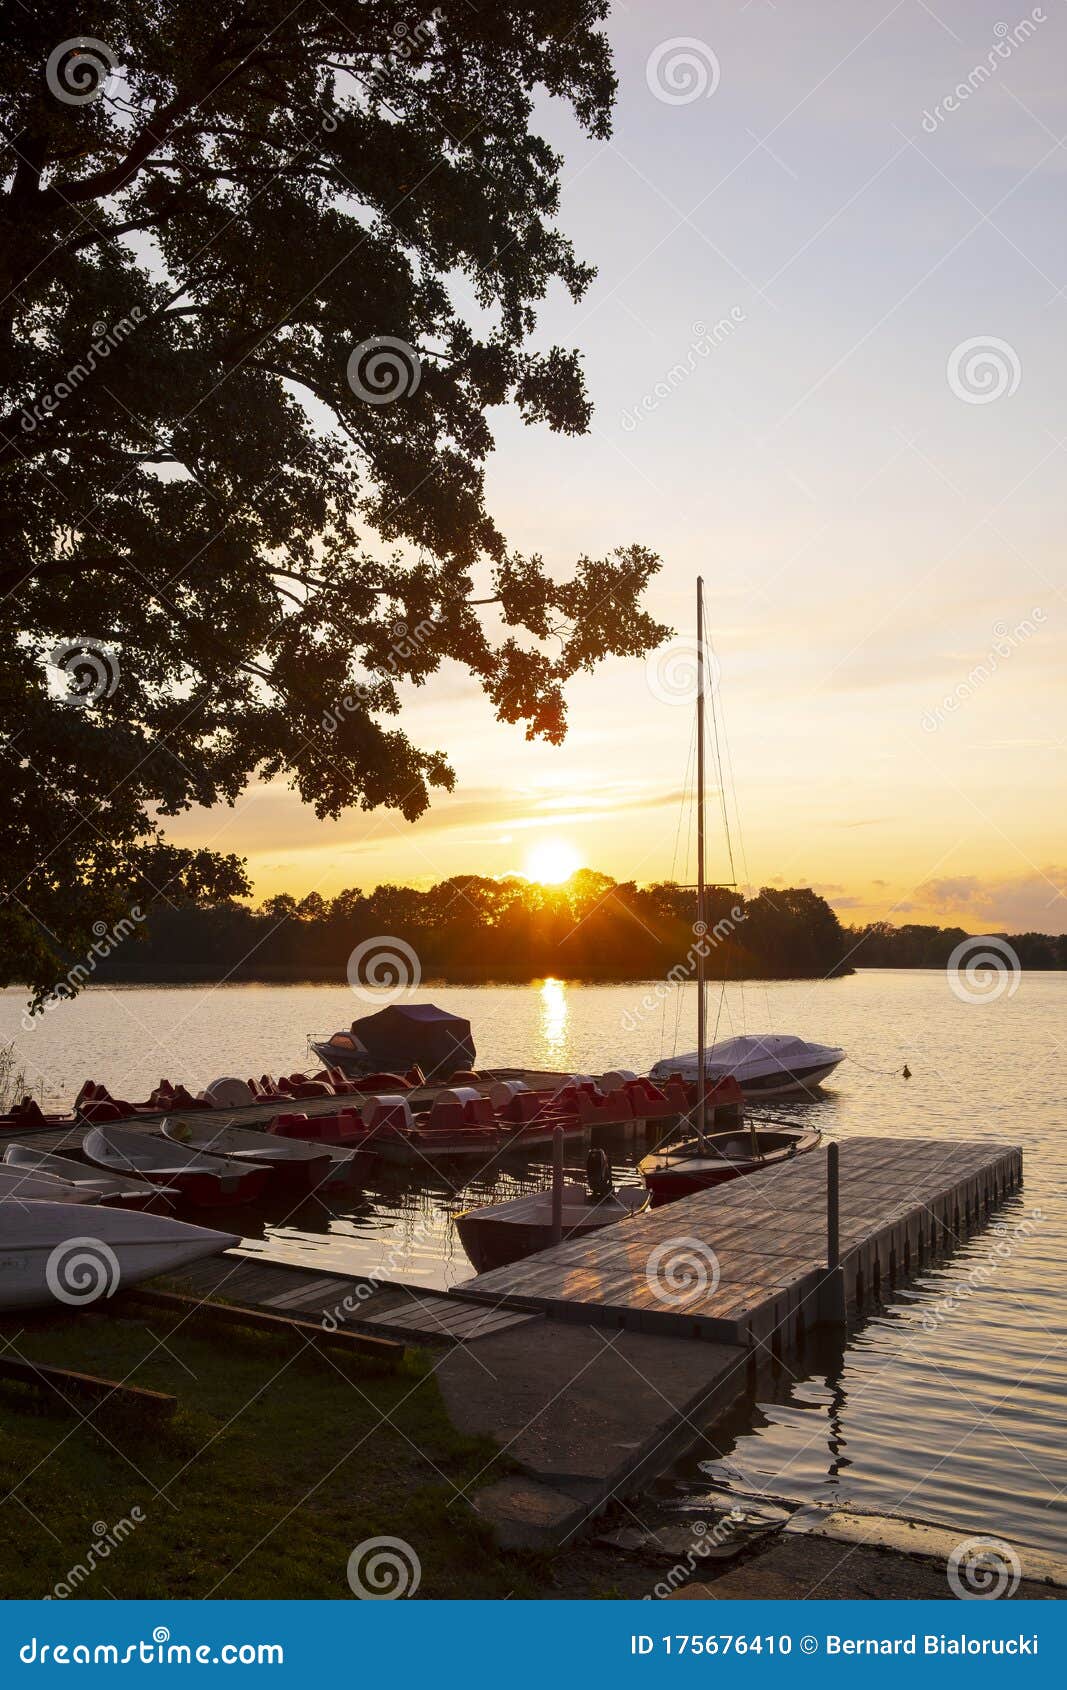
832,1303
557,1184
833,1207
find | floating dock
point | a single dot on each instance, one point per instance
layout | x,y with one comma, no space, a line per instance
745,1263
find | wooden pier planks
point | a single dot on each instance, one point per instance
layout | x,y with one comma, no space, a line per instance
745,1262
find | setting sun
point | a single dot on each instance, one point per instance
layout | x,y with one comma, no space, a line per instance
552,861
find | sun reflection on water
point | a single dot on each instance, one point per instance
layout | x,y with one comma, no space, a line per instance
554,1014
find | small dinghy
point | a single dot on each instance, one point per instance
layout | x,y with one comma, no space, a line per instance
117,1190
507,1232
295,1165
694,1165
206,1181
52,1253
25,1185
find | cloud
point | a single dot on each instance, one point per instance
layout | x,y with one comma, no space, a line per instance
1032,902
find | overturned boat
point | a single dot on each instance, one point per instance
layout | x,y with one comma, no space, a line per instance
54,1253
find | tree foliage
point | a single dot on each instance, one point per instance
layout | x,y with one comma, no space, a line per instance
471,927
259,524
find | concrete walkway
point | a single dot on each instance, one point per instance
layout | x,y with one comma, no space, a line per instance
586,1415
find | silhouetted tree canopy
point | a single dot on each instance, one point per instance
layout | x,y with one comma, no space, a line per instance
473,928
257,523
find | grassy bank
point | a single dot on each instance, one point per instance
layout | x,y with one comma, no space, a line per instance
278,1462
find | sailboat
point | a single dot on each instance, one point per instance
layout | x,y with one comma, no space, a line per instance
762,1064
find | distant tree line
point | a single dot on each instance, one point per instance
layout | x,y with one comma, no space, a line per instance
881,945
474,928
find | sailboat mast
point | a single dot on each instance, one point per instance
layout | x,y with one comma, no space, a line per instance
701,923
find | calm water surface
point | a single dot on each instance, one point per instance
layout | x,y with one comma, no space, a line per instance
946,1404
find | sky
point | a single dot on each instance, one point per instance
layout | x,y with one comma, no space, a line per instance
827,355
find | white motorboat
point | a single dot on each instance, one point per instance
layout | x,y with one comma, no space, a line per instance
53,1253
764,1065
98,1186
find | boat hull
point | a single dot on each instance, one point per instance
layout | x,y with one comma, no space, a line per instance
685,1170
53,1255
499,1234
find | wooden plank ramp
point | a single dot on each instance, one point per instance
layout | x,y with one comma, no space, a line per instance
347,1303
745,1262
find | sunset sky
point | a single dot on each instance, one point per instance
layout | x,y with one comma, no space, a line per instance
878,530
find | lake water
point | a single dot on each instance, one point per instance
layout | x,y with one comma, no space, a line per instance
947,1404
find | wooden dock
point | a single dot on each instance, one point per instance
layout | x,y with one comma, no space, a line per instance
745,1263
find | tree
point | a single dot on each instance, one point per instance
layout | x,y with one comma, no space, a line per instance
261,286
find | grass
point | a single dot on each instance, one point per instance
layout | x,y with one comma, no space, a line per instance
278,1462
